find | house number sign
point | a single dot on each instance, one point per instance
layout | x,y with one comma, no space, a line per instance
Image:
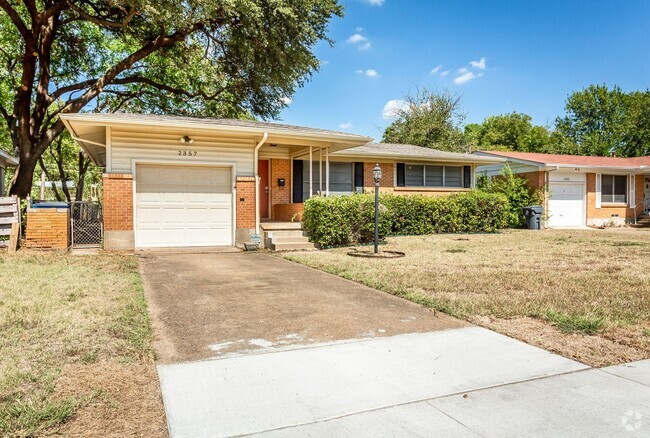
187,153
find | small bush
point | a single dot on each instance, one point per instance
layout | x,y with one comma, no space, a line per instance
344,220
514,188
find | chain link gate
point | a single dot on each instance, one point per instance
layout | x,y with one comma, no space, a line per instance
87,224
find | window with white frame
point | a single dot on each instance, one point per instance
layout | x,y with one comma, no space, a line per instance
613,189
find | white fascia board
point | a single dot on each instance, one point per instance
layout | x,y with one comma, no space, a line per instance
354,140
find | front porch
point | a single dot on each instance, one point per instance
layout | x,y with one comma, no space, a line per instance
284,236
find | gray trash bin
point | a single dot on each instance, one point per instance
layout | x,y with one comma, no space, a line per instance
533,214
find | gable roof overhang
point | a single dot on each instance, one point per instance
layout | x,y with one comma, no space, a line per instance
7,160
89,130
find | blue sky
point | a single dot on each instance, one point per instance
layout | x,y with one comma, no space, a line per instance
500,56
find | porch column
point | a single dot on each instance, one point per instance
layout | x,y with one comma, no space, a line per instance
311,171
327,171
320,171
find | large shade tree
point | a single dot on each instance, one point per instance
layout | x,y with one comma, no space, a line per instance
209,57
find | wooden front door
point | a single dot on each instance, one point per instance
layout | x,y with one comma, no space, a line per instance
263,172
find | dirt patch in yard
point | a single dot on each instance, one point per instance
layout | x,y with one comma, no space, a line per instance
598,351
125,400
584,294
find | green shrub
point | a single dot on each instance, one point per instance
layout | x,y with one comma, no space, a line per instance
516,190
344,220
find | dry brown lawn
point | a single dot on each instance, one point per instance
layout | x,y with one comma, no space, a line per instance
76,348
584,294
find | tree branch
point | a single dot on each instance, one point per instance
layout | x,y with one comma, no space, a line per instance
103,22
15,18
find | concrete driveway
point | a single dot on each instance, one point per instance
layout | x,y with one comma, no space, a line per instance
296,352
213,304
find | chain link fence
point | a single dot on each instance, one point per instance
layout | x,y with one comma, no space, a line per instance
87,224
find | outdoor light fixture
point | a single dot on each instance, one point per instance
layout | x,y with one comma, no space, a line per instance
376,175
186,139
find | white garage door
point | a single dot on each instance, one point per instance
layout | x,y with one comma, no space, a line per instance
183,206
566,205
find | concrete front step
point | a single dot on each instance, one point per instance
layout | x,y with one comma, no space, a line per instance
284,233
292,246
289,239
280,226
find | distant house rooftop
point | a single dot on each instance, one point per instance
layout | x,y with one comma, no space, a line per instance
560,160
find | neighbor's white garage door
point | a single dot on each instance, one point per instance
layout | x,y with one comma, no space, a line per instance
566,205
183,206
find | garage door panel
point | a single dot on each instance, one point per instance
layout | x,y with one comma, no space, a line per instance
183,206
566,205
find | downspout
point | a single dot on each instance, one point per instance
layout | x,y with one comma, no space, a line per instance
257,181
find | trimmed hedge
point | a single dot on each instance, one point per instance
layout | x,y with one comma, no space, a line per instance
342,220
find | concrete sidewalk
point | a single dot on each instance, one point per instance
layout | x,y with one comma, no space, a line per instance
462,382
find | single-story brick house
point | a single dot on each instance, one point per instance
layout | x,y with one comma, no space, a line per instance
6,160
182,181
583,190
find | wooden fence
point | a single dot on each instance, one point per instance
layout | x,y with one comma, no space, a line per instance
10,222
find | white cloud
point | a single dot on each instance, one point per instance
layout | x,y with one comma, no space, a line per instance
287,100
480,64
376,2
359,29
465,76
357,38
365,46
347,125
444,73
436,70
371,73
392,108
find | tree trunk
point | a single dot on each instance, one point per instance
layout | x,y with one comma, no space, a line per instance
21,185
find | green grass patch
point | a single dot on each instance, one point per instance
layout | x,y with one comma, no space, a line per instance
58,310
588,324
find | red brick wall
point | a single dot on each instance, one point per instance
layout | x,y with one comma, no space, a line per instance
48,228
245,202
387,175
288,212
606,211
280,168
536,180
118,201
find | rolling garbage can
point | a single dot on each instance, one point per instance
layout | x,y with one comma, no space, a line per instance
533,214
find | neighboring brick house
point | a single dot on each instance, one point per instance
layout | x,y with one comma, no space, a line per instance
583,190
182,181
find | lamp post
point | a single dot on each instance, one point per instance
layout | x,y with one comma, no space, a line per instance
376,175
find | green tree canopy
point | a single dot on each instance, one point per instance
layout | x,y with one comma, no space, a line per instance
428,119
208,57
514,132
595,120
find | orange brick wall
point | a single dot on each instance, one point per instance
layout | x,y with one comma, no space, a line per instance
118,202
387,175
246,202
280,168
288,212
535,180
48,228
606,212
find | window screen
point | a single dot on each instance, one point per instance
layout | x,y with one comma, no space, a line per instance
341,179
453,176
433,176
613,188
414,175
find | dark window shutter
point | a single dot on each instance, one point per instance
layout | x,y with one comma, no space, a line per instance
297,181
467,177
358,177
401,175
